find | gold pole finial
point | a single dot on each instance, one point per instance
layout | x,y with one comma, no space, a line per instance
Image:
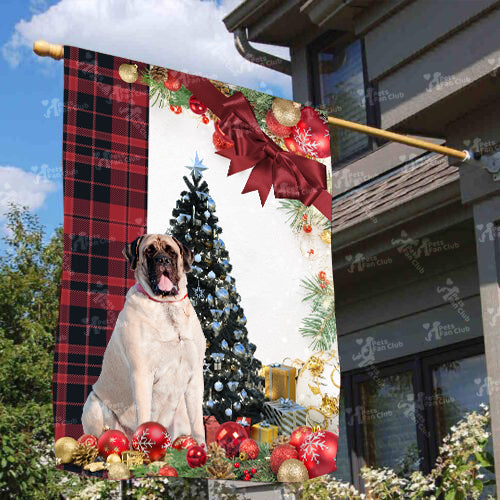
43,48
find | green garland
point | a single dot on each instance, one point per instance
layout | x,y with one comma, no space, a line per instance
161,96
177,459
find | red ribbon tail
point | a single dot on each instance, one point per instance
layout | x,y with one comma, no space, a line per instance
323,203
261,180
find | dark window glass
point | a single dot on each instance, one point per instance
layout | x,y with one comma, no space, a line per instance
343,472
342,91
388,422
459,387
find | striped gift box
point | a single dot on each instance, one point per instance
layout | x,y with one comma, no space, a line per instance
286,414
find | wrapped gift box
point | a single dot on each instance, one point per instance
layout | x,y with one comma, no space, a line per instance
286,414
211,428
246,423
264,432
280,381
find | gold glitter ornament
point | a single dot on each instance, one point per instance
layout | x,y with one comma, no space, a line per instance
118,470
286,112
292,471
128,72
64,449
95,466
329,406
113,459
326,237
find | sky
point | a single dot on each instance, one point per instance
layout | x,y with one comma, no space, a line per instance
187,35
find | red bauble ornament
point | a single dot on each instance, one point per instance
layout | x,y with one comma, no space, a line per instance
88,440
307,228
275,126
250,447
171,83
196,106
221,141
230,436
112,441
292,146
196,456
152,439
322,276
319,453
205,119
298,436
311,134
281,453
184,442
168,471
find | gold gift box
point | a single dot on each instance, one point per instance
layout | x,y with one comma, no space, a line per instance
280,381
264,434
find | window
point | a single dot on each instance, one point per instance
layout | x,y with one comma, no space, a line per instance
339,85
397,413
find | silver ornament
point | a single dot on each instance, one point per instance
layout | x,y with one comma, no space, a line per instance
237,406
239,349
222,294
237,334
218,386
228,412
232,385
224,345
206,229
216,326
211,275
197,258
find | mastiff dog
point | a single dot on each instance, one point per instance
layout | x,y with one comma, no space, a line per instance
153,364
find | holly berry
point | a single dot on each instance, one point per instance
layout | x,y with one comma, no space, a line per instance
304,217
205,119
322,275
327,282
176,109
237,465
245,472
246,478
322,285
253,471
307,228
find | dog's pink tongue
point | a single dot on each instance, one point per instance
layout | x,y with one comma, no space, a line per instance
165,285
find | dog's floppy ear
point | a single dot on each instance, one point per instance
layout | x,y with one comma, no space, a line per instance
131,252
187,255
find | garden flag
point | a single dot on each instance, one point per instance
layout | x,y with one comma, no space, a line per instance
196,324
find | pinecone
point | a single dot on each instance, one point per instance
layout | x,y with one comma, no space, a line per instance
222,87
84,455
278,441
216,452
158,74
220,469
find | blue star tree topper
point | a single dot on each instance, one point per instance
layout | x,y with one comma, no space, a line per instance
197,167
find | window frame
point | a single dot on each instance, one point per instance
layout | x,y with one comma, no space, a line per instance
420,364
338,39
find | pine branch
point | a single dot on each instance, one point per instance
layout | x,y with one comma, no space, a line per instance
295,210
320,327
161,96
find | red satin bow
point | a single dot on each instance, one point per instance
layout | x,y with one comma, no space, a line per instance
291,176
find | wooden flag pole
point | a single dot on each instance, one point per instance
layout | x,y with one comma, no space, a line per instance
43,48
392,136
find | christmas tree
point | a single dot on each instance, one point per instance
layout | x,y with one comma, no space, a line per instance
233,387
